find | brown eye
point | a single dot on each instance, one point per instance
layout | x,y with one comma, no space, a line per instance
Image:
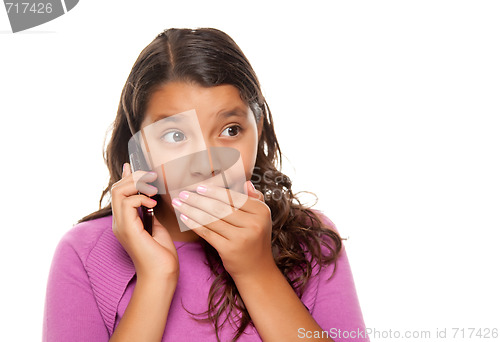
232,130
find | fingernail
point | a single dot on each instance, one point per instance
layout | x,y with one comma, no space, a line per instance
176,202
201,189
184,217
184,195
253,186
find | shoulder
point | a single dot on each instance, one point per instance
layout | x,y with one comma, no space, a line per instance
91,249
84,236
309,218
324,219
321,243
102,256
330,237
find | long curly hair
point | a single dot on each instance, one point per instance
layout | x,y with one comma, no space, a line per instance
209,57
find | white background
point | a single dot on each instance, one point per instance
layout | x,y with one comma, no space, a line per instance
388,110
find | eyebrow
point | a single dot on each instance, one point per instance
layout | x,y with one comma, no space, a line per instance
224,114
169,118
238,112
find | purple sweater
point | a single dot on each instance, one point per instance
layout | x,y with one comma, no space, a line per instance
92,278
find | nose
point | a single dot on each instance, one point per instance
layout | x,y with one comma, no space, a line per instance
202,165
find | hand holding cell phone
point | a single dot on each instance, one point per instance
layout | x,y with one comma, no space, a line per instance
154,255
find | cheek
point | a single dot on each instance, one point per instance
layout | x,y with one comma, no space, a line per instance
249,156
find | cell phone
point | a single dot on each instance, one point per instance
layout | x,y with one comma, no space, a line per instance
138,162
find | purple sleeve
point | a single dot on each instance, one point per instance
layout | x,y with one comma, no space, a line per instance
333,301
71,312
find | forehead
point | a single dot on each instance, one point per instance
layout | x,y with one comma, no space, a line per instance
178,97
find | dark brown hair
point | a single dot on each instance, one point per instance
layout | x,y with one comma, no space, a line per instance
209,57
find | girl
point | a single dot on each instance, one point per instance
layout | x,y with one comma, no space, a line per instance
271,270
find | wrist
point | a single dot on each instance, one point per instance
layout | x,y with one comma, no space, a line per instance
156,286
157,272
260,275
163,278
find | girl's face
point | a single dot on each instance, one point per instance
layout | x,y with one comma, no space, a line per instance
183,121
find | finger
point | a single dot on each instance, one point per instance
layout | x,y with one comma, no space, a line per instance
206,210
127,208
141,180
242,202
131,185
196,218
210,205
145,188
233,198
201,217
134,202
252,192
212,237
127,170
